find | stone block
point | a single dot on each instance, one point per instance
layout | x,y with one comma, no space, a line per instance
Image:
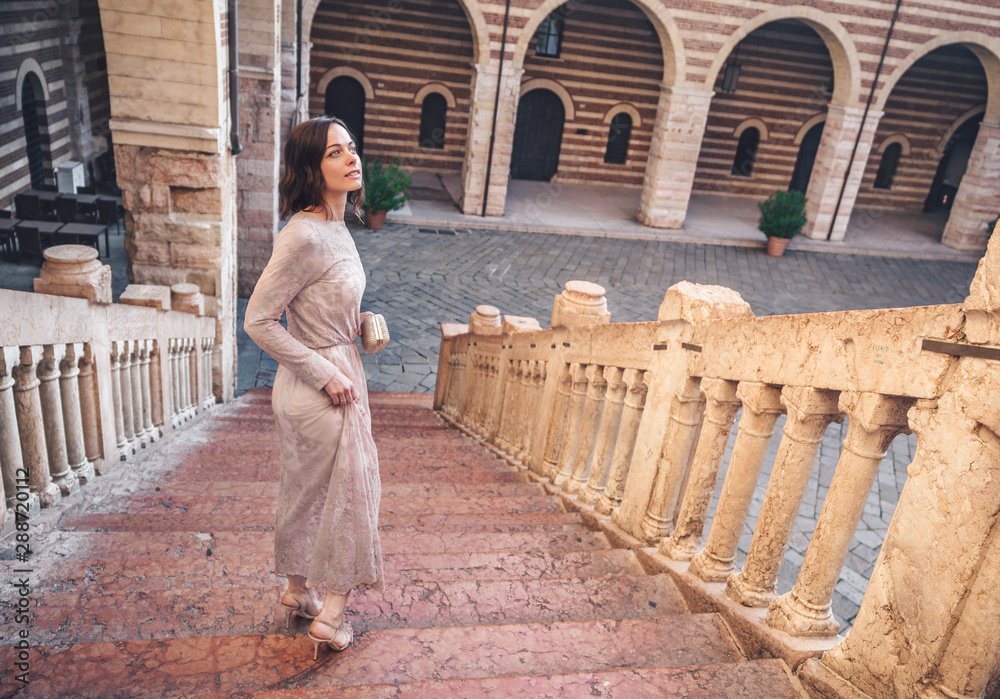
148,295
202,172
201,201
195,256
148,251
154,199
699,303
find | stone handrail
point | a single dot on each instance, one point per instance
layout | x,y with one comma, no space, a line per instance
85,383
629,422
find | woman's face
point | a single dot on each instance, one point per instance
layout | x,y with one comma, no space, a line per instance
341,165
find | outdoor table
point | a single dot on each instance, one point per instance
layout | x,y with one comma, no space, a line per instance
44,227
43,195
90,231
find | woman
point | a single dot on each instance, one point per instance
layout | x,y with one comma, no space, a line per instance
326,531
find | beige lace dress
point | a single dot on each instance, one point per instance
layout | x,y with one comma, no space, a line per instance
327,523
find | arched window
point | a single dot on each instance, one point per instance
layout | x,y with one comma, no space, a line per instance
618,136
887,168
345,98
550,35
746,152
32,112
432,121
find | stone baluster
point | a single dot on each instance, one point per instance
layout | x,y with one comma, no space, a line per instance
135,383
635,398
446,364
121,443
183,379
69,390
522,429
125,378
145,392
156,387
89,410
810,411
508,405
207,372
556,421
682,428
873,421
761,408
455,374
484,321
483,393
590,424
175,383
606,437
55,425
574,418
461,395
721,406
10,444
474,388
468,385
192,379
31,430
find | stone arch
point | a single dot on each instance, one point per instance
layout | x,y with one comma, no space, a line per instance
329,75
546,84
628,109
30,66
943,143
843,53
755,123
986,49
899,138
671,43
441,89
473,13
807,125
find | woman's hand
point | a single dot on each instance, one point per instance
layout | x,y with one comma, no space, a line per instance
364,315
341,390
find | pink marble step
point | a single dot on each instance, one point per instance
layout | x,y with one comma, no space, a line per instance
143,613
120,575
194,666
179,521
159,544
750,679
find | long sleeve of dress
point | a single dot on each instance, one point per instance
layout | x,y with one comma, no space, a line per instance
295,263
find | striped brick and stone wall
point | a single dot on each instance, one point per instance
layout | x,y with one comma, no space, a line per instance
397,49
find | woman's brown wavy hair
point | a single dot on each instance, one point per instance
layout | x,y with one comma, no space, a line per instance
301,185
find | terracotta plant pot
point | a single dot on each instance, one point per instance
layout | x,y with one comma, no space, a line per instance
776,246
374,219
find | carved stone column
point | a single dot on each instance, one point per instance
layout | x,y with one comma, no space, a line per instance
191,378
590,423
89,408
125,379
721,407
175,383
606,437
156,387
976,200
10,444
810,411
31,431
508,405
535,377
135,382
761,408
574,419
145,392
445,376
832,156
209,350
456,372
121,443
873,421
556,421
55,426
69,390
635,398
682,428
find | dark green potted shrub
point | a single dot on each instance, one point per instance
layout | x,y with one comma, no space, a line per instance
782,216
385,190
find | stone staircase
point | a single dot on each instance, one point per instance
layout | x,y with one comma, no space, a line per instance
157,582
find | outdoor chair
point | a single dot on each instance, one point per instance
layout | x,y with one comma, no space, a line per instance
7,244
66,210
27,206
46,188
86,190
107,214
6,213
28,242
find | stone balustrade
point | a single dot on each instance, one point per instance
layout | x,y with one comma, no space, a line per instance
629,422
85,383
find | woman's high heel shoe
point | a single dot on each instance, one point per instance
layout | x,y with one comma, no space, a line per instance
332,640
300,607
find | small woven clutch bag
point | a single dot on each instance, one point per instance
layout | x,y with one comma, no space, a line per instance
374,334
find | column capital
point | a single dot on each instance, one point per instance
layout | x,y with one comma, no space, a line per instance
485,320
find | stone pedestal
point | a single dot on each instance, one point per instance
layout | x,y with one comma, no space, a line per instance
74,270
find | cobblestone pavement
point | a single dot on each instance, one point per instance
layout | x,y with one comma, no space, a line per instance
419,278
